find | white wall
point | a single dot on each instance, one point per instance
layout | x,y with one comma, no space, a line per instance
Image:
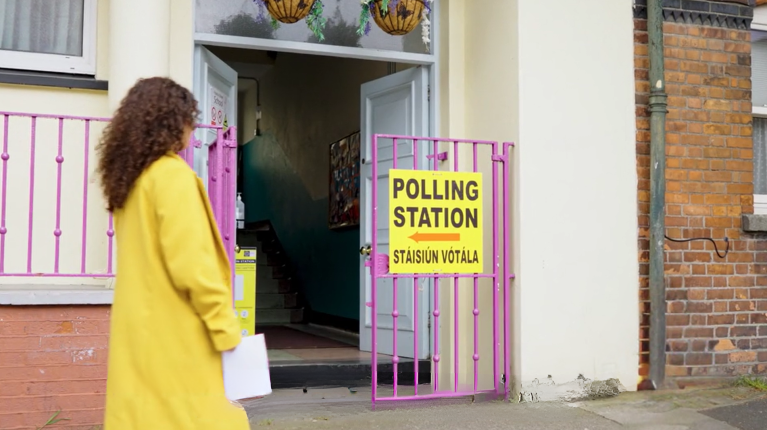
576,193
557,78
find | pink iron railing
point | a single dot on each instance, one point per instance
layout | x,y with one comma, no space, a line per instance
222,186
42,139
36,137
500,277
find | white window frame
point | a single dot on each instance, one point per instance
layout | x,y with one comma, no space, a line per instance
42,62
760,200
760,24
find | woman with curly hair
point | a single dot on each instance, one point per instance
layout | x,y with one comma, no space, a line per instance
172,315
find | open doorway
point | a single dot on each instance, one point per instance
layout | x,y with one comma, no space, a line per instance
292,112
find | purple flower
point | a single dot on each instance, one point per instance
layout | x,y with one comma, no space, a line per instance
261,4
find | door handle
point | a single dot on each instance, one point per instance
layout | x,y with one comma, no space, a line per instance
236,248
366,250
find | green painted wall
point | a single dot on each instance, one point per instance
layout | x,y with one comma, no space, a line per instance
326,262
307,102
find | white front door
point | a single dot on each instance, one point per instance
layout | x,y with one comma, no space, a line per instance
397,104
215,88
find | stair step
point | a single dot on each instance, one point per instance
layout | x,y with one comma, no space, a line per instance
265,235
279,316
275,287
345,374
266,273
280,272
261,256
259,226
247,238
285,285
275,260
266,284
276,301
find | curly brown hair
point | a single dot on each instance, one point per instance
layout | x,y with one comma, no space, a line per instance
149,123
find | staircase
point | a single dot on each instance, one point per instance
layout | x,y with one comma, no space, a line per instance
277,301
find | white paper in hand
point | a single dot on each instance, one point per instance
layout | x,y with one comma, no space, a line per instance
246,369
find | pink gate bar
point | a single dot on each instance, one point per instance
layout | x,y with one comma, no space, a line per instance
501,275
224,149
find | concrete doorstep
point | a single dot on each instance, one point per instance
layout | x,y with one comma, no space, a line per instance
705,408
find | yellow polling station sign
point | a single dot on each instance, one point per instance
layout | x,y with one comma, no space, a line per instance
245,264
435,222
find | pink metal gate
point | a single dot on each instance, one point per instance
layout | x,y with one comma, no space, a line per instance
500,276
40,142
222,186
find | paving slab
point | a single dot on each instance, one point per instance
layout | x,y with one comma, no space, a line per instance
350,409
745,416
675,409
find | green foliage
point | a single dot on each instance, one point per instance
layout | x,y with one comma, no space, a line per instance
245,25
315,21
364,20
339,32
752,382
53,420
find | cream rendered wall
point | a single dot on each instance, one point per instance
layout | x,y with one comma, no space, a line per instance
134,39
50,100
578,287
456,62
557,78
150,38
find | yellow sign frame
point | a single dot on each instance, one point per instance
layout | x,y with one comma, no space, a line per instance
245,266
435,222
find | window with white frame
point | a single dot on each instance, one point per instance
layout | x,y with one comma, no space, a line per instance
759,103
48,35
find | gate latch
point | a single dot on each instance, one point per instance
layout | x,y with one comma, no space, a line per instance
381,265
442,156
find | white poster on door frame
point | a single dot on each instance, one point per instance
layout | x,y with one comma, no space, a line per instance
217,106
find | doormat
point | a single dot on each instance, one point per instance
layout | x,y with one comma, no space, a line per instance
281,337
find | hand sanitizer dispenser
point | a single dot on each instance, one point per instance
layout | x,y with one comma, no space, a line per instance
240,212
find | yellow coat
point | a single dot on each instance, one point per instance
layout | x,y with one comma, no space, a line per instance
172,314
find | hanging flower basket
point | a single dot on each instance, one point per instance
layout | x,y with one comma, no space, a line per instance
396,17
400,17
292,11
289,11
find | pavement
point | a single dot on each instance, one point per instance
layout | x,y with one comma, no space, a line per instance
695,408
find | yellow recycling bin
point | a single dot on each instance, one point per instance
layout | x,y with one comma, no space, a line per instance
245,289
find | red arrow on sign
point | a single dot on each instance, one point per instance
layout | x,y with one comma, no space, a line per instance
436,237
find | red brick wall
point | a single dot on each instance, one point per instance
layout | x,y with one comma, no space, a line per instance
717,309
53,358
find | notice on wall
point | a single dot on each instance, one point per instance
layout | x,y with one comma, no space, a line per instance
435,222
245,289
217,102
